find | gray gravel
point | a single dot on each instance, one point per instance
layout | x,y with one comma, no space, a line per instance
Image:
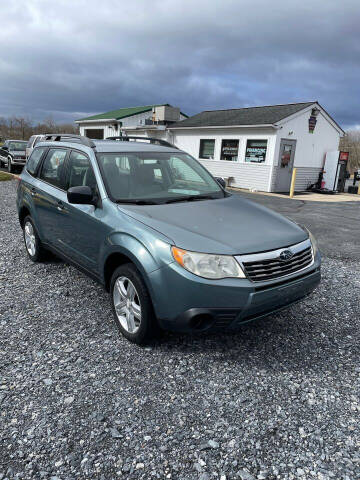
278,400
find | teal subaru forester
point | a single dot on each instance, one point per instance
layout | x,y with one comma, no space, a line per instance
171,245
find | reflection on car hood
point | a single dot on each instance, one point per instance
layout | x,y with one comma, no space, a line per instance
231,225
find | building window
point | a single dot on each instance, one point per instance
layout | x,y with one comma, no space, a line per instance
229,150
256,151
96,133
207,148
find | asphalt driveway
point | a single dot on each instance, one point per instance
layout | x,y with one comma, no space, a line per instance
277,400
335,225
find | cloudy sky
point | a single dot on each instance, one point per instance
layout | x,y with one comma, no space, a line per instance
68,59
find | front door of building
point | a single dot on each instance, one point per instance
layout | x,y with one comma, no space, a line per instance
285,165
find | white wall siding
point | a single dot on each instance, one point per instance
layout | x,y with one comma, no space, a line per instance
245,175
137,119
305,176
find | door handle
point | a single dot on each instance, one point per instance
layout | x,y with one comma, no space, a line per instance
33,191
60,206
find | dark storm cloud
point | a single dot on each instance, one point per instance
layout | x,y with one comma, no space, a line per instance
69,59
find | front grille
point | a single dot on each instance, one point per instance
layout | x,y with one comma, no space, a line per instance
268,266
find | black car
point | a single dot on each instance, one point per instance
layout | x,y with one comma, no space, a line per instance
12,154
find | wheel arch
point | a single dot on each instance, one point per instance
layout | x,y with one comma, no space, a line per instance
23,213
120,256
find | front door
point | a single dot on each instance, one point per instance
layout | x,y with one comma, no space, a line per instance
83,230
285,165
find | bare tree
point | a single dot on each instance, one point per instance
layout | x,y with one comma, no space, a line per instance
22,127
351,143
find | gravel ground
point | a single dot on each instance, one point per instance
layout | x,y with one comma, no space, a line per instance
278,400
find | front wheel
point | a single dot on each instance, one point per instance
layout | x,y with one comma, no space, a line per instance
132,307
10,166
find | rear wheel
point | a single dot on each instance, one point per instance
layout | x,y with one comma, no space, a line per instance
32,241
132,307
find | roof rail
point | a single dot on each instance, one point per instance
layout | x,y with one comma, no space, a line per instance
153,140
63,137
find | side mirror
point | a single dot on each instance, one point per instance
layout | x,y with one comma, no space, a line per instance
221,181
81,195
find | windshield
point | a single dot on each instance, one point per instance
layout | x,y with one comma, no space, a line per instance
17,146
156,177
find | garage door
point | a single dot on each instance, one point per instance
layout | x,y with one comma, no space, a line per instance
95,133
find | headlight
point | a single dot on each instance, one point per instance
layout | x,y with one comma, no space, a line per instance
311,237
208,265
313,242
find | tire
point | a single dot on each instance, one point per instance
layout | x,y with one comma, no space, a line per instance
132,306
10,166
32,241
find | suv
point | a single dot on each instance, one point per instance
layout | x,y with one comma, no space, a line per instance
33,140
12,154
169,243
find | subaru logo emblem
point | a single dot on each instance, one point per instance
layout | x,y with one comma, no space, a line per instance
285,255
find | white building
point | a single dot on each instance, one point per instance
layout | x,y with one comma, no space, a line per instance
109,124
255,147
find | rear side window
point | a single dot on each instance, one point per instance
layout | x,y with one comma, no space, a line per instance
53,167
34,160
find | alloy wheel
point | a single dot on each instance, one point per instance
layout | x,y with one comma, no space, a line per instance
127,304
30,240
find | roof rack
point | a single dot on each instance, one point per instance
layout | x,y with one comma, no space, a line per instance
63,137
152,140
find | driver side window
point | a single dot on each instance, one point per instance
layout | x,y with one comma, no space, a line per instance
80,172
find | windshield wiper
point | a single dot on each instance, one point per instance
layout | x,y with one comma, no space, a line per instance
191,198
137,202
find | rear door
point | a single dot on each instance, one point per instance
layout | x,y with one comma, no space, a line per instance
50,196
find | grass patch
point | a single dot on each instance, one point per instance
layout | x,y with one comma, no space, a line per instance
4,177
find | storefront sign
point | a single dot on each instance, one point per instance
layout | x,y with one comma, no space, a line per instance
256,151
230,150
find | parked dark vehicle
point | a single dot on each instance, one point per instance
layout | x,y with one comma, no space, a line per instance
12,154
173,248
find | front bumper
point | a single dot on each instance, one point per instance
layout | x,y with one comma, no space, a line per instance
18,161
185,302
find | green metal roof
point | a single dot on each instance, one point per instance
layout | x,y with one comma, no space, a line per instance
123,112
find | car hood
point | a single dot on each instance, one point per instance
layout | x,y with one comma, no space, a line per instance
231,225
